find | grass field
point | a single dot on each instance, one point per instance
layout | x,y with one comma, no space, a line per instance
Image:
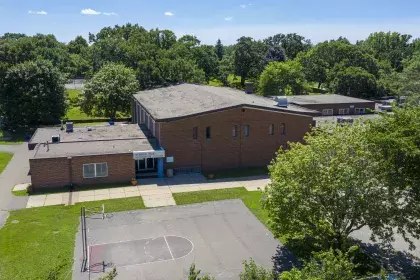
4,160
35,241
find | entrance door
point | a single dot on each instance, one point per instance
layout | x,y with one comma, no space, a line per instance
143,165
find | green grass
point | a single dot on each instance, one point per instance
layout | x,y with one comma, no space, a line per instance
238,172
72,94
20,193
4,160
36,240
251,199
89,124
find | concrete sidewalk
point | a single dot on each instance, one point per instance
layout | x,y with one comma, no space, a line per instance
155,192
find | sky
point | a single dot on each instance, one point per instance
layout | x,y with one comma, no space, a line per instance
209,20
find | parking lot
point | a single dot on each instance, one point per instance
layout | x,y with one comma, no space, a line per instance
162,243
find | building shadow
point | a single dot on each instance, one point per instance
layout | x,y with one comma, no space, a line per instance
393,261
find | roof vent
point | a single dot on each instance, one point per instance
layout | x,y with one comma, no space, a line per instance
249,88
89,128
55,138
282,101
69,126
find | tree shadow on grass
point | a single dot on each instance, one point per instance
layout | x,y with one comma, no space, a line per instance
394,261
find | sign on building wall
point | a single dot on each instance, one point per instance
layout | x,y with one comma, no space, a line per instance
148,154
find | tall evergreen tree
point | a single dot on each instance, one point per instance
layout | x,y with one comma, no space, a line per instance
219,49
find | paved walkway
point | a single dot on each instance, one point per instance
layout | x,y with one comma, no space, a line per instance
154,192
15,173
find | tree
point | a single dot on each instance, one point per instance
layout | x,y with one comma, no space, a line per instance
248,58
226,68
328,265
282,78
254,272
275,53
78,45
390,46
110,275
109,91
195,274
395,138
292,43
206,60
334,185
219,49
32,93
353,81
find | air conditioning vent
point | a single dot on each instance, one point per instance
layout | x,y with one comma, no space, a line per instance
282,101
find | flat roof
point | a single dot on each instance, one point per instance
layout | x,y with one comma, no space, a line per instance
324,99
183,100
71,149
81,134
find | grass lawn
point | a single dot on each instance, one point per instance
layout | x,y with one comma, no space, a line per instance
4,160
238,172
251,199
36,240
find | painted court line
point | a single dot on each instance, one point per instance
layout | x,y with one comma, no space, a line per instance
169,248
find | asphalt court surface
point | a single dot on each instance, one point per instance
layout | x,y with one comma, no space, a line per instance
162,243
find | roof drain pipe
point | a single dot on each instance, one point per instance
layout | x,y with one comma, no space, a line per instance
71,187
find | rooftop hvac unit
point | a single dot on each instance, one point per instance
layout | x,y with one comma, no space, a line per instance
69,126
282,101
55,138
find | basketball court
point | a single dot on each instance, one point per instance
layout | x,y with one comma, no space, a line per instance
162,243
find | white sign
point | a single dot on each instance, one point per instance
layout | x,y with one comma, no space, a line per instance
169,159
148,154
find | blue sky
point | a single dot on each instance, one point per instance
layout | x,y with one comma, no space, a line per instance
209,20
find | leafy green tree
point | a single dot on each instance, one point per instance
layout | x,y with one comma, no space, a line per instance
226,68
328,265
248,58
391,46
78,45
219,49
254,272
195,274
206,60
32,93
109,91
353,81
334,185
275,53
282,78
395,138
292,43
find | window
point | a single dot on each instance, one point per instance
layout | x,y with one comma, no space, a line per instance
195,133
271,129
283,129
359,111
246,130
208,132
344,111
94,170
327,112
235,131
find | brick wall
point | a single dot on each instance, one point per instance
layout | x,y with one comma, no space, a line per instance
337,107
223,150
54,172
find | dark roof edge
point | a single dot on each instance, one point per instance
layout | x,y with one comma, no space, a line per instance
335,103
280,110
84,155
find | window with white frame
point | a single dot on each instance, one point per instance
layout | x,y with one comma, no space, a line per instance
327,112
234,130
95,170
343,111
359,111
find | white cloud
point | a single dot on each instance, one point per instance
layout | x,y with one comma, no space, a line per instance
42,13
110,14
243,6
89,12
169,14
228,18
